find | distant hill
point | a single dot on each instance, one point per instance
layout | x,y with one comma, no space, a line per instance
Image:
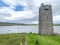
56,24
10,24
22,24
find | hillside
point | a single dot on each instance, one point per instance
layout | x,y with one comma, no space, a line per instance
10,24
20,24
15,24
32,39
56,24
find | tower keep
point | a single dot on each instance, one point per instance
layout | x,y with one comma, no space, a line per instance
45,20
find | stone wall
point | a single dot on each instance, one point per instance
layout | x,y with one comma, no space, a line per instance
45,20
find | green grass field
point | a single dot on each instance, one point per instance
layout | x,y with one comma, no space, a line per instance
32,39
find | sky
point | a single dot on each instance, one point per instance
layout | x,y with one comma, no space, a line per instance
26,11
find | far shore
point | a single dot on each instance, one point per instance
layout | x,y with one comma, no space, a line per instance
26,25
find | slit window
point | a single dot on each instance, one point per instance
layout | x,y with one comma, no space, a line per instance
47,16
46,9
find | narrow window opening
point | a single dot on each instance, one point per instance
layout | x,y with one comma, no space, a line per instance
47,16
46,9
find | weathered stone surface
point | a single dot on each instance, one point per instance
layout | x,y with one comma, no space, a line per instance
45,20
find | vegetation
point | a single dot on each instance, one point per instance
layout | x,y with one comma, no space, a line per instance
16,24
56,24
20,24
32,39
10,24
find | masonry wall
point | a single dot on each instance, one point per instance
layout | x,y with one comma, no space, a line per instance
45,20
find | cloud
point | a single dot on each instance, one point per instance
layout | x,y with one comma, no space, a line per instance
26,11
56,19
34,22
13,3
3,4
21,15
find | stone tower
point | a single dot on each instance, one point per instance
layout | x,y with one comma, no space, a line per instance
45,20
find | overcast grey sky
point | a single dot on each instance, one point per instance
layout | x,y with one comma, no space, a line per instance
26,11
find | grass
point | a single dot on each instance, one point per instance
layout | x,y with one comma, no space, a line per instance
32,39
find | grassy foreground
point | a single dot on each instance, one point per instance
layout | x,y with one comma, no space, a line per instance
32,39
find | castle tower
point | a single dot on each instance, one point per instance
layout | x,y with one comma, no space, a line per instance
45,20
